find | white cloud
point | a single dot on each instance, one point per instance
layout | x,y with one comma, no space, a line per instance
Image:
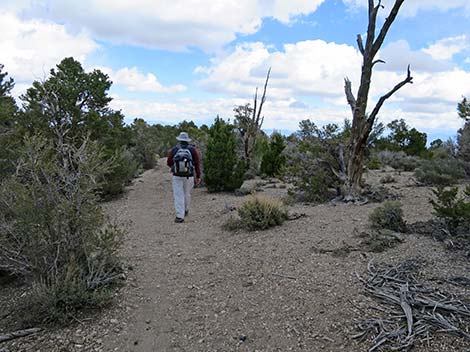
446,48
30,48
398,55
174,25
412,7
305,68
278,114
134,80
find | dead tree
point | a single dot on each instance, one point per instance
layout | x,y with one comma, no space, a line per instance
249,121
362,123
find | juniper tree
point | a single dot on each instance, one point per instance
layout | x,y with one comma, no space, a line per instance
223,169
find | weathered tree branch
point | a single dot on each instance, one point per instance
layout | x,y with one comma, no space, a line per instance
349,95
374,113
263,99
360,44
377,61
17,334
388,22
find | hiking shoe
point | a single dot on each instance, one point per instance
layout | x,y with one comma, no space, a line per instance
186,212
179,220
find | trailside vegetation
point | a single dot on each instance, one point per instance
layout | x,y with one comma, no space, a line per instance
223,169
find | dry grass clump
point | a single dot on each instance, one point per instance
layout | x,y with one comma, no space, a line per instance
258,213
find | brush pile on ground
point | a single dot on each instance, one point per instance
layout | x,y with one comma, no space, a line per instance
412,312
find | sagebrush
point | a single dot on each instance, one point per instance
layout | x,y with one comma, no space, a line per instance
53,233
388,216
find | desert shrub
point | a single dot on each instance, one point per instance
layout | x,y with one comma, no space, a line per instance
52,230
273,159
451,207
388,216
374,163
442,172
387,179
260,213
315,188
398,160
379,241
122,169
223,169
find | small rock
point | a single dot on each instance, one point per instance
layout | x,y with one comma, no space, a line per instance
114,321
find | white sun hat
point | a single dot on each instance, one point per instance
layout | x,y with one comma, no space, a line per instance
183,137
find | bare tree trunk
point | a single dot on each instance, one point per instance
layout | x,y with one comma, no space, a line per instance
249,122
256,121
362,123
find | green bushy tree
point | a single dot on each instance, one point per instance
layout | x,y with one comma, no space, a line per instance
77,102
402,138
452,208
223,169
144,144
9,140
463,134
273,160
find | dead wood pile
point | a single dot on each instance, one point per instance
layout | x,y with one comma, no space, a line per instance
411,312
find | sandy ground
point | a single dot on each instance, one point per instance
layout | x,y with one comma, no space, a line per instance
196,287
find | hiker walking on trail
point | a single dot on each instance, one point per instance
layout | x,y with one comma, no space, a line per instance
183,159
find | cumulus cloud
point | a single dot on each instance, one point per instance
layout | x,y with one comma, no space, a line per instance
134,80
398,55
278,114
412,7
30,48
174,25
312,67
446,48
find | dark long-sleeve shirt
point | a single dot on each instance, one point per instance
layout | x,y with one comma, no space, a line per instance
194,154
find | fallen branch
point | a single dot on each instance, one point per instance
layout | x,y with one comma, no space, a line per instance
285,276
17,334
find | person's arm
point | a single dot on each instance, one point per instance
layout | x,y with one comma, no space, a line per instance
197,165
169,159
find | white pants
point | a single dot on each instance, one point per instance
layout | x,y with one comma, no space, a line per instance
182,187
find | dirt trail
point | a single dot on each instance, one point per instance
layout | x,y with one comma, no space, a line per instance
195,287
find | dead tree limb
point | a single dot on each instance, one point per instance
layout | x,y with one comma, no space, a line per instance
17,334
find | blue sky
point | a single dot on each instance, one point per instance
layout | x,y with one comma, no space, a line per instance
195,59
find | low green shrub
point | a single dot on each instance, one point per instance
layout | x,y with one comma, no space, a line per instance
259,213
451,207
123,168
442,172
374,163
316,187
388,216
55,233
398,160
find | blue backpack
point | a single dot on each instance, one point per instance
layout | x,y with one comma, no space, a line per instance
183,162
